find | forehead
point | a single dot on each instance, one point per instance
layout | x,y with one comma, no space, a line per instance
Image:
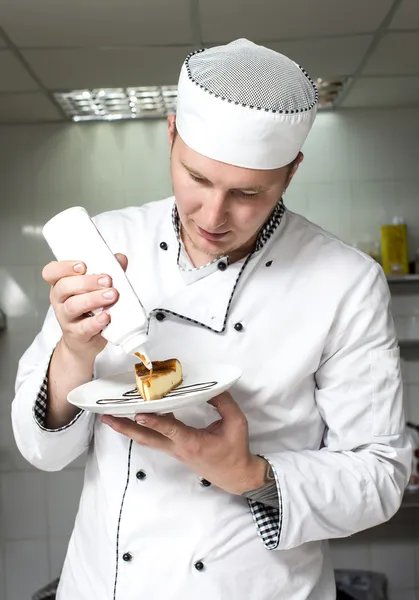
222,173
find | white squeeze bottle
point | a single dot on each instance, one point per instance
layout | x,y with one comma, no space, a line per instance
72,235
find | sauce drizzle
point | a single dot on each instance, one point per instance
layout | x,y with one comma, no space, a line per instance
132,396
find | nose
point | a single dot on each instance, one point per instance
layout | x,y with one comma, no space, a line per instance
214,213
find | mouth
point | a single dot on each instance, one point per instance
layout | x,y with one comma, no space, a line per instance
211,237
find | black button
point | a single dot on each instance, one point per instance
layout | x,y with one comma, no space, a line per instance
141,475
222,266
160,316
205,482
269,263
238,327
199,566
163,245
127,556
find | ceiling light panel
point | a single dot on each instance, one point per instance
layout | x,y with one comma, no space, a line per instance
148,102
109,104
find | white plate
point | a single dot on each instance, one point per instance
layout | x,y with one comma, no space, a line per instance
116,395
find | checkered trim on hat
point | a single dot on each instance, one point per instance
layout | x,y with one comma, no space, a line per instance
268,519
40,407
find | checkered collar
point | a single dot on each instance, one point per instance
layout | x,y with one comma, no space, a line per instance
264,235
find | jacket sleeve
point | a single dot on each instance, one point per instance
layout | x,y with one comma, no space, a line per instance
47,449
357,478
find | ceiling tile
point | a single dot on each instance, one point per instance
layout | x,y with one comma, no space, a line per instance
407,17
13,76
60,23
383,92
117,67
27,108
327,57
396,54
223,21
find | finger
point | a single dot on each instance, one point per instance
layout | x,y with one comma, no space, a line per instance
55,270
89,327
79,305
140,435
122,259
166,425
80,284
228,408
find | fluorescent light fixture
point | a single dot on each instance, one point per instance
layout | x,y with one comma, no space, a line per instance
34,230
150,102
110,104
329,90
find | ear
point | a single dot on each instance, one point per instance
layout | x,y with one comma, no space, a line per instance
294,169
171,121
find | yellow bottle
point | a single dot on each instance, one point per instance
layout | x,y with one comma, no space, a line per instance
394,251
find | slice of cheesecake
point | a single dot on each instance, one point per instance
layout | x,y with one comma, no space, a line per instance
165,376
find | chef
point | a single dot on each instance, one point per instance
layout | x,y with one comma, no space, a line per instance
234,499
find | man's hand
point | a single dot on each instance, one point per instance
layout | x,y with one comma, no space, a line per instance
73,296
219,453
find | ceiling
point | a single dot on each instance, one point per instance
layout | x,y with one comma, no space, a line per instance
57,45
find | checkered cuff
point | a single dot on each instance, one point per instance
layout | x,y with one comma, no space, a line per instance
268,519
40,407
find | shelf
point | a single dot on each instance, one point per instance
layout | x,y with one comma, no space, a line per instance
403,279
403,284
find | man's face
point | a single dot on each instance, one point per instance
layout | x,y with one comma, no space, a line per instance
222,207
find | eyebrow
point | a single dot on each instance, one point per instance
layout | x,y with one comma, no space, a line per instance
252,189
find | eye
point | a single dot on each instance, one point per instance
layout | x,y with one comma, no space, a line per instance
197,179
248,195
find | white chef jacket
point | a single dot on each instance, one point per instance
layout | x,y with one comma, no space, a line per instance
322,393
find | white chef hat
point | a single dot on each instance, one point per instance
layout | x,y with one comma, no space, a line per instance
245,105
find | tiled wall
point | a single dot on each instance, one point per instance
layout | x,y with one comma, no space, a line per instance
361,169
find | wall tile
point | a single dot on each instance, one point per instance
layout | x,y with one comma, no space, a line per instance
405,136
295,198
26,568
24,502
330,206
347,554
327,151
360,170
373,206
405,305
57,550
411,393
63,490
2,572
10,457
398,594
12,346
397,561
411,371
371,146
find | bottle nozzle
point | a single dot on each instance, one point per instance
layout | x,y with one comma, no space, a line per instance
144,359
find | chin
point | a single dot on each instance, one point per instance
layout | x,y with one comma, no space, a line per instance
211,248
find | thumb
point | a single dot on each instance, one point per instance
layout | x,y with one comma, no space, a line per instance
228,408
123,260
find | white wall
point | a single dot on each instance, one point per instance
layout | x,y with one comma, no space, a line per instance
361,169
